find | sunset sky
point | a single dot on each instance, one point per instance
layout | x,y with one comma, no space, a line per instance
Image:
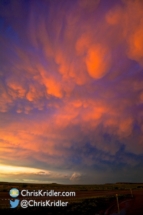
71,91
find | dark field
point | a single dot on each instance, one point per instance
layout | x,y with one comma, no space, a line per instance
89,199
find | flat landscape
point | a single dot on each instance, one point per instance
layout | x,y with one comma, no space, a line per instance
89,199
71,107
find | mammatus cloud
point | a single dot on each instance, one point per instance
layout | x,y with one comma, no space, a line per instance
131,26
71,87
97,61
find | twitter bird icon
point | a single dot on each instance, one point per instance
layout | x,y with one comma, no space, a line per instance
14,203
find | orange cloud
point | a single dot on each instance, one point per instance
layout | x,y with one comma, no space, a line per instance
141,97
82,44
53,87
5,100
71,68
136,45
97,61
32,93
131,27
126,127
114,16
16,89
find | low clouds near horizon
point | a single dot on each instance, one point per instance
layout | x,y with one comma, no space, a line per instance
71,89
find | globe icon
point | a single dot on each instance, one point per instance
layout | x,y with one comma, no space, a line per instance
14,192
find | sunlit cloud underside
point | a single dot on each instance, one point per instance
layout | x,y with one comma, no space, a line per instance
71,91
